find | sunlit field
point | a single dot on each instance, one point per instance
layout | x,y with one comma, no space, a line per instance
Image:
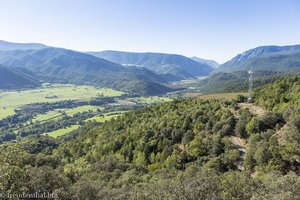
9,101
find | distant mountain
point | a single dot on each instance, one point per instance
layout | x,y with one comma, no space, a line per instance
12,78
211,63
9,46
61,65
268,58
175,67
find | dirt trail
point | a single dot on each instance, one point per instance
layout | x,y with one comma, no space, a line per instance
241,143
259,111
242,147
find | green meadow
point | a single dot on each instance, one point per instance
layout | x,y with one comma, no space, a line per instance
70,112
226,96
62,131
150,100
105,117
9,101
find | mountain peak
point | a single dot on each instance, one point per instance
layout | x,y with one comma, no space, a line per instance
211,63
269,58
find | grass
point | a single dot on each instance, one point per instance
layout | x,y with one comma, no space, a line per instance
9,101
107,116
151,100
104,118
226,96
62,131
101,118
70,112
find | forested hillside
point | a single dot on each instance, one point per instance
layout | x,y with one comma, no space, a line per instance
266,58
173,66
236,81
284,93
66,66
183,149
12,78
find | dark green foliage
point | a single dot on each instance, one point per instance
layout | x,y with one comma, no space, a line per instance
177,150
244,119
280,95
241,99
274,143
236,81
13,78
238,185
171,141
49,180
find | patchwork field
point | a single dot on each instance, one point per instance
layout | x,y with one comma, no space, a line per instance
226,96
150,100
70,112
43,123
106,117
9,101
62,131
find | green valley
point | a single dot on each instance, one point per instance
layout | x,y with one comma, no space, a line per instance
150,100
201,147
12,100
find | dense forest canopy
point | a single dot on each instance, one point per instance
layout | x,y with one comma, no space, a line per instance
185,149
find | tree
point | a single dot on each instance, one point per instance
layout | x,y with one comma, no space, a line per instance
238,185
45,179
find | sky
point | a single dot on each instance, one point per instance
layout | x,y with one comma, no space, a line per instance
210,29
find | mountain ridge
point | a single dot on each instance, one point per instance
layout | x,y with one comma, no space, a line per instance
8,46
178,66
264,58
62,65
211,63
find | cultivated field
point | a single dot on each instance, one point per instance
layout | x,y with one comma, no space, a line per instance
43,123
150,100
70,112
62,131
226,96
9,101
105,117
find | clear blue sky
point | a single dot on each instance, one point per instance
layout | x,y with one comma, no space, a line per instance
213,29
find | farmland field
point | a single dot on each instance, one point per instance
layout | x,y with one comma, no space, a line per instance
105,117
62,131
150,100
58,112
226,96
69,107
9,101
100,119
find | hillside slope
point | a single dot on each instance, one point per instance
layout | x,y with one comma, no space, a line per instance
177,150
266,58
211,63
176,66
61,65
11,78
238,81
